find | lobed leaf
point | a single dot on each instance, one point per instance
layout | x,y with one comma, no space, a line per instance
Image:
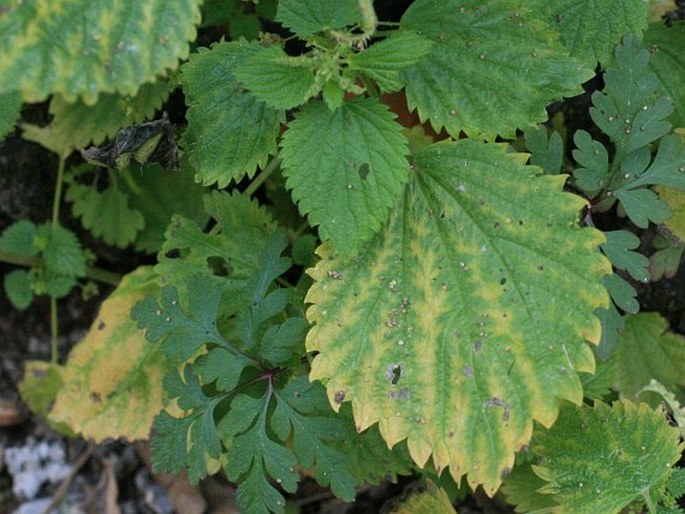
618,248
230,133
383,61
493,67
305,17
547,150
440,330
82,48
623,452
622,293
592,175
590,29
345,168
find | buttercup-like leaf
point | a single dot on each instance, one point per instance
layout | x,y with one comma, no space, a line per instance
591,28
113,378
468,82
81,48
618,248
440,331
346,168
230,133
616,454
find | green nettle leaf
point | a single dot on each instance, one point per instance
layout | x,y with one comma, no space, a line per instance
592,175
618,248
281,81
19,238
230,133
75,125
667,62
305,17
104,46
62,253
383,61
493,67
10,107
647,351
675,225
440,331
17,285
601,458
520,488
432,500
345,168
591,28
547,150
106,214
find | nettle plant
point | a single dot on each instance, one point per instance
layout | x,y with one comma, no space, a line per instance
342,290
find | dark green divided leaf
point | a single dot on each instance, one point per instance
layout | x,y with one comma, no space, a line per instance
590,29
76,125
493,67
440,331
647,350
82,48
230,133
547,150
305,17
383,61
106,215
618,248
280,81
612,325
601,458
667,62
346,168
592,175
10,105
622,293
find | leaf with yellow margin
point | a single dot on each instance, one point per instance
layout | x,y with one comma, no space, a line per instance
113,377
467,317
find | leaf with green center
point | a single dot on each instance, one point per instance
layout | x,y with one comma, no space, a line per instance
592,175
280,81
383,61
618,248
629,110
112,381
667,62
107,214
646,351
493,67
345,168
601,458
547,150
440,331
76,125
305,17
10,110
591,28
82,48
302,411
230,133
254,455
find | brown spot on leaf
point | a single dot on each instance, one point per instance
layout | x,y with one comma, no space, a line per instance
339,396
101,325
402,394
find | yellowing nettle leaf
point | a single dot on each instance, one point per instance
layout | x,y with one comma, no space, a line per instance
10,105
230,133
676,201
433,500
667,62
345,168
467,317
646,351
113,379
81,48
305,17
601,458
493,67
76,125
591,28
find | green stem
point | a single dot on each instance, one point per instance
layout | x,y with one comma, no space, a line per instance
54,330
56,201
261,178
369,18
650,503
97,274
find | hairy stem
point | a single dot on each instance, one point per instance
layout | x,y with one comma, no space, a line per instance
369,18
